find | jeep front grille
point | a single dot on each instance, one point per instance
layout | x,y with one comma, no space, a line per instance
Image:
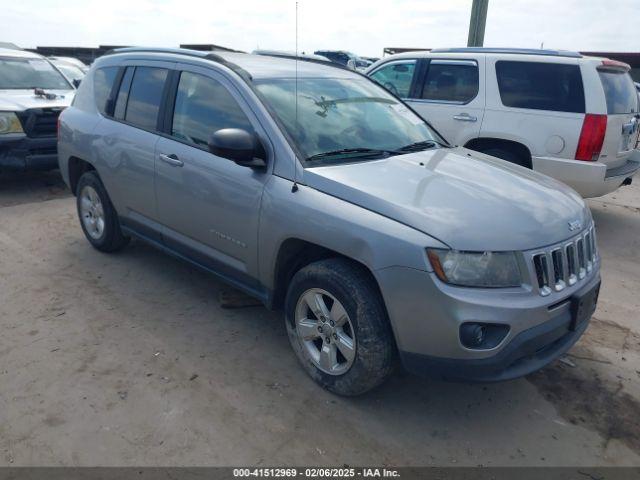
566,264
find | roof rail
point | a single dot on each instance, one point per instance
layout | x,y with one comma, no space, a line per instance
519,51
184,51
326,63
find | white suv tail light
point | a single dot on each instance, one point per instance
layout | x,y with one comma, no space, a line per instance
594,128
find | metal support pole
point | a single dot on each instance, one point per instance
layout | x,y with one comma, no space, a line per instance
477,23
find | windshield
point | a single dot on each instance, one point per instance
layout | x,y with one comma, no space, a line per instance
27,73
336,114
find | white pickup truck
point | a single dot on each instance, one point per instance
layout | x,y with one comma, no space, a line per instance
33,92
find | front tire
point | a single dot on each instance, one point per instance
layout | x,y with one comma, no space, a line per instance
98,218
338,326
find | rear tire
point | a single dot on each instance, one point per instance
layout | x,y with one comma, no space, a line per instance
98,218
354,315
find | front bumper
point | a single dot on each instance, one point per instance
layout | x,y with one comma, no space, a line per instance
19,152
426,316
526,353
589,179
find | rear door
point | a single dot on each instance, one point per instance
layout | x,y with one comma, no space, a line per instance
623,122
128,145
449,94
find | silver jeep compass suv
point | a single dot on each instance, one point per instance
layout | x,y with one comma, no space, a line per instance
313,189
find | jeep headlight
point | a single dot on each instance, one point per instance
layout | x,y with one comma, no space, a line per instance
476,269
9,123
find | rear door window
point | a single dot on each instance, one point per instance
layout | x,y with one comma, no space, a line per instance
102,86
451,81
145,95
541,86
396,77
619,91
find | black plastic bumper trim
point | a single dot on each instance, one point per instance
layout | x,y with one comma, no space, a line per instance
628,168
27,153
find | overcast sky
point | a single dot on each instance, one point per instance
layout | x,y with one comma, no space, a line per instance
362,26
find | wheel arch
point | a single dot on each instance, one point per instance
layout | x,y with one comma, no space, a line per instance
517,147
295,254
76,168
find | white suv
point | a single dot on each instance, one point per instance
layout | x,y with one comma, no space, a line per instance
572,117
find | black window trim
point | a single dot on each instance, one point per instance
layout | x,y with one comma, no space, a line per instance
110,102
417,92
126,88
167,102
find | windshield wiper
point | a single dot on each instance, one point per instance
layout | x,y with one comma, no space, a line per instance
360,152
418,146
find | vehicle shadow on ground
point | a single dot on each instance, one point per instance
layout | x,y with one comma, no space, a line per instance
17,188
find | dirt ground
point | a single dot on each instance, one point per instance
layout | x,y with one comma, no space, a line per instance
128,359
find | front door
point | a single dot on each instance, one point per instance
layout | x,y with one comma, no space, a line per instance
209,206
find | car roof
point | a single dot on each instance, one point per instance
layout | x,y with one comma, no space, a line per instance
10,52
255,66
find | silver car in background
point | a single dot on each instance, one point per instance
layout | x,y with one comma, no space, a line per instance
72,72
339,205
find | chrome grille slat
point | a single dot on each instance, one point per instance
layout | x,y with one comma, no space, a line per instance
557,261
582,265
564,265
572,264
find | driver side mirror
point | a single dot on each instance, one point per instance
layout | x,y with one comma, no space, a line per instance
76,82
238,145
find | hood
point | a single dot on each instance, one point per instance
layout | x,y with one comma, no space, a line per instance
18,100
467,200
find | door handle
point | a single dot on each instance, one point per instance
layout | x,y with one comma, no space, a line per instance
171,159
465,117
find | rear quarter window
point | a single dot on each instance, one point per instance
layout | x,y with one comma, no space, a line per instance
102,84
619,91
541,86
